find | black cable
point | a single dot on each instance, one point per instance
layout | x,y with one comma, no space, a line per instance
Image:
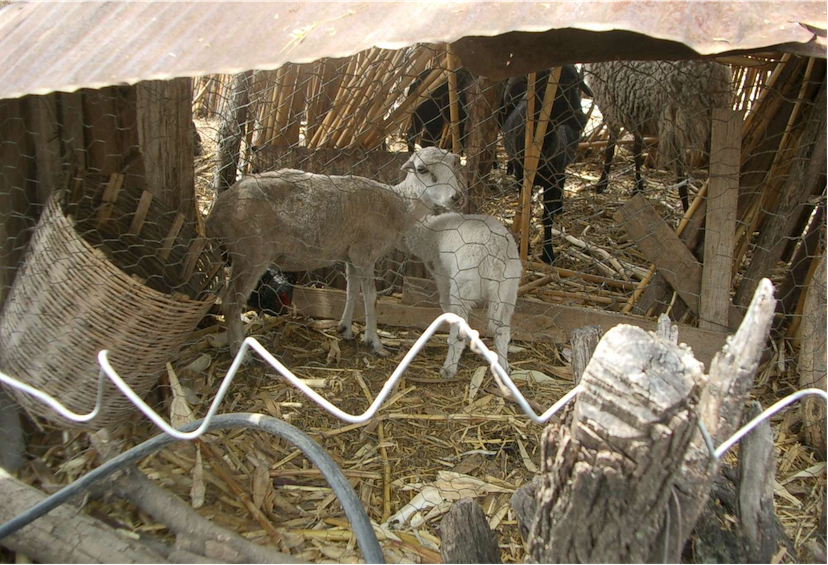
356,515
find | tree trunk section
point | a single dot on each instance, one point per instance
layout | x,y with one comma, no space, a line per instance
812,359
231,132
484,98
65,535
584,342
628,477
466,536
165,136
757,471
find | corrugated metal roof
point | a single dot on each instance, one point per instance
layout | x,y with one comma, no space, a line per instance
48,46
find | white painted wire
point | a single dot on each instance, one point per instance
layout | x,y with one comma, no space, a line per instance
465,330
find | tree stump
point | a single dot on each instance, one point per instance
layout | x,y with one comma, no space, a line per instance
230,133
466,536
628,477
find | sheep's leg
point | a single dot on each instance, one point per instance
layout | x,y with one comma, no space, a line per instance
552,204
242,282
609,153
456,344
681,179
351,294
369,296
638,146
500,320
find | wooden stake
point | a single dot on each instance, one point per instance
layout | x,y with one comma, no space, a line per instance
454,99
725,158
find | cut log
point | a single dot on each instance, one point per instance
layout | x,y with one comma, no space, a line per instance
231,131
757,472
525,507
584,342
64,535
533,320
466,536
628,477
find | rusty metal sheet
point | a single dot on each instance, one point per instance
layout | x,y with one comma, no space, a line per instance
49,46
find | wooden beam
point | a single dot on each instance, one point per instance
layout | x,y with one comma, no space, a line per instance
720,228
662,247
673,260
533,320
454,100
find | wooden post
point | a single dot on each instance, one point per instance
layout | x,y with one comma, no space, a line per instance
526,196
725,159
454,99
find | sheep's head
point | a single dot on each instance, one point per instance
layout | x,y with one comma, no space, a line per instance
434,173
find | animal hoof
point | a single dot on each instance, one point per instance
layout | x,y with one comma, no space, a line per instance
548,257
447,373
600,188
345,331
381,351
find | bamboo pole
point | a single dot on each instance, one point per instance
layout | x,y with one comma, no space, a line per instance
297,104
454,99
324,128
532,157
414,99
361,91
768,197
344,111
403,76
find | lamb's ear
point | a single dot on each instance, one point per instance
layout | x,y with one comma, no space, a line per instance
409,166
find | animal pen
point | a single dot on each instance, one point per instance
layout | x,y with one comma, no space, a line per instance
106,187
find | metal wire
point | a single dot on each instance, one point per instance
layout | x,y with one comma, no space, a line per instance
477,346
360,524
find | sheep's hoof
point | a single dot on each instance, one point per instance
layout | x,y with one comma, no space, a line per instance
600,188
381,351
448,373
345,330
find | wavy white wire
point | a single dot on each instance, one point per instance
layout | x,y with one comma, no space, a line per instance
477,346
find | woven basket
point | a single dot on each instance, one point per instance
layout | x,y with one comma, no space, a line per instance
111,270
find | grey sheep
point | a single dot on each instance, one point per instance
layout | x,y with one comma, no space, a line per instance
670,99
302,221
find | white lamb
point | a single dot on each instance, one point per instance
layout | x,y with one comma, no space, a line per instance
474,260
302,221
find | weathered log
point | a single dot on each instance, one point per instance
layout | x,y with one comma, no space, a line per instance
584,342
202,536
230,132
525,507
64,535
466,536
757,469
627,479
13,446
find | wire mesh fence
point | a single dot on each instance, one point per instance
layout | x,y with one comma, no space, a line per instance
555,160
